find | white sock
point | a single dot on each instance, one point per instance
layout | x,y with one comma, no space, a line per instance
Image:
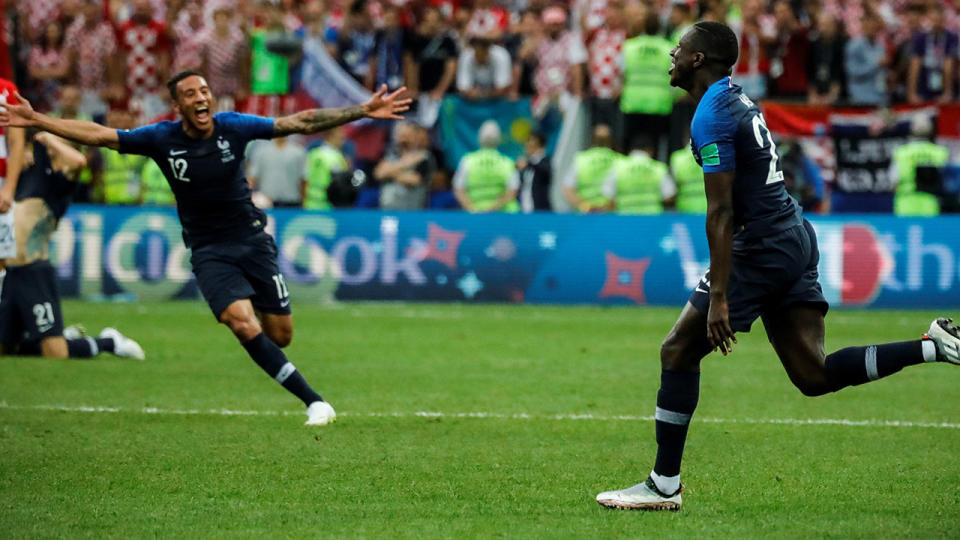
929,350
666,484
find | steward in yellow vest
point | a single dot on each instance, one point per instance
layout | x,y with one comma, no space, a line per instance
486,180
156,190
583,185
638,184
907,201
688,175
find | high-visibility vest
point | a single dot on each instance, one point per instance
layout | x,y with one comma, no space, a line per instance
156,189
688,175
646,85
121,176
907,201
322,162
638,185
592,167
488,172
269,73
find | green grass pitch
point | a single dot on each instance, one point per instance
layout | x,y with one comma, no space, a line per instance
464,421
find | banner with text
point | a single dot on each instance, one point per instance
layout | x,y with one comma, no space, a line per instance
137,253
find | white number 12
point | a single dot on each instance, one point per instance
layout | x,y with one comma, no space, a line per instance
179,168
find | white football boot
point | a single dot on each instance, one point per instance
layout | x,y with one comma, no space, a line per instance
320,413
947,338
643,496
123,346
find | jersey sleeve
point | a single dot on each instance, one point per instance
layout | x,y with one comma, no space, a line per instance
714,133
250,125
142,140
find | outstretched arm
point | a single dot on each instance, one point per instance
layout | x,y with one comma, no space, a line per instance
381,105
88,133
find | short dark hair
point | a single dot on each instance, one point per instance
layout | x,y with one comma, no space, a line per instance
172,83
539,136
717,42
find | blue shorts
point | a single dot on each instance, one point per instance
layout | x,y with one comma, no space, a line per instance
767,275
30,304
236,270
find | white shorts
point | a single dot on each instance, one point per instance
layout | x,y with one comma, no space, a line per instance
8,243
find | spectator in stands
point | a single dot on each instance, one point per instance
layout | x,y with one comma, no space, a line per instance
561,57
638,184
323,162
523,49
431,57
406,171
119,177
355,44
801,175
92,47
48,65
583,184
486,180
188,35
688,176
788,66
865,59
488,20
911,26
931,76
387,55
483,70
757,35
273,49
226,61
604,45
535,175
681,19
146,58
825,68
647,98
276,170
317,25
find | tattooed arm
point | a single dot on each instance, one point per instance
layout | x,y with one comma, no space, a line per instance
381,105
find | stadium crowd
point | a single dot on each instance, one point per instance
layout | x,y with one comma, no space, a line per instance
108,60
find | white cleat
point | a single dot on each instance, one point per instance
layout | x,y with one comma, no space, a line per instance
643,496
74,331
123,346
947,338
320,413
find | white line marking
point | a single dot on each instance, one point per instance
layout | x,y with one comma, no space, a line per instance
481,415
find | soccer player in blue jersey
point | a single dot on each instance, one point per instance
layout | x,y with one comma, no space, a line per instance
233,258
763,263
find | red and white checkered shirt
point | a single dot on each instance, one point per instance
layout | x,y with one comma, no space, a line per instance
555,57
94,48
606,73
143,44
38,14
485,21
223,57
189,42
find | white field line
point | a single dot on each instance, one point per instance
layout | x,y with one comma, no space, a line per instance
482,415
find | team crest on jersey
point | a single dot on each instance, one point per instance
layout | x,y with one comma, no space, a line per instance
226,154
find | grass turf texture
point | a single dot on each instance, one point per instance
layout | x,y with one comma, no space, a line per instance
381,470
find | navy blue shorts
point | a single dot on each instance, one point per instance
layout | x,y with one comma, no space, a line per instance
768,275
30,304
236,270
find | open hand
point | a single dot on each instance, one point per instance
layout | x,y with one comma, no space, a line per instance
718,325
387,106
17,115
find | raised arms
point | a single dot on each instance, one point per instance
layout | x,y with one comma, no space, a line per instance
381,105
88,133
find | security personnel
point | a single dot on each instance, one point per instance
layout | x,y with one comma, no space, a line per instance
647,98
691,197
120,173
486,180
583,185
155,189
322,162
907,200
638,184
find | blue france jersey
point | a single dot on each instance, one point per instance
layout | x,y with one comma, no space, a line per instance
206,175
728,133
